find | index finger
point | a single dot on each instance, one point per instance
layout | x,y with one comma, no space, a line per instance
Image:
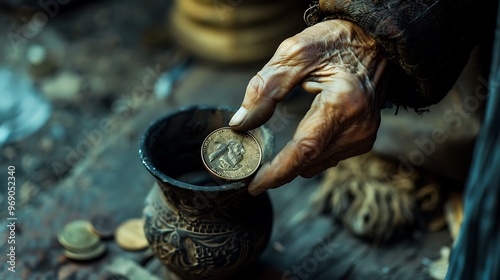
306,147
286,69
279,171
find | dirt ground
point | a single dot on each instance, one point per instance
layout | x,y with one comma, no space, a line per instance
112,50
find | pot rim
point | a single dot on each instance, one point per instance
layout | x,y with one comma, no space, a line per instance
147,162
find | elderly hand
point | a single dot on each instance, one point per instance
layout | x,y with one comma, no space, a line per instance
341,65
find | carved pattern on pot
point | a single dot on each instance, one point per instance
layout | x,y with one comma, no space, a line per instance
205,243
198,227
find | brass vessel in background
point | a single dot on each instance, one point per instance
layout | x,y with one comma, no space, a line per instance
235,31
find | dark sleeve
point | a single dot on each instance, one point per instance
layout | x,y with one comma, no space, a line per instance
427,41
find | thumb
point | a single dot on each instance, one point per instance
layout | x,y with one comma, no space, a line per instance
286,69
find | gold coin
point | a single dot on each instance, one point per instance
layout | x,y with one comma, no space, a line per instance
86,255
76,236
130,235
231,155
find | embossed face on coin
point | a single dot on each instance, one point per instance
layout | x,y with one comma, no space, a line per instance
231,155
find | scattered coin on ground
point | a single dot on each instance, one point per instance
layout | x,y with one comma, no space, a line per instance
103,225
76,236
80,242
86,255
130,235
231,155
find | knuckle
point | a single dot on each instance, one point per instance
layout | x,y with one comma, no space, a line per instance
292,46
309,149
254,85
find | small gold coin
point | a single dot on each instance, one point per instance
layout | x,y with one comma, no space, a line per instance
76,236
130,235
231,155
86,255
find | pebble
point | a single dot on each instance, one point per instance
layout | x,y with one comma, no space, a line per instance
439,267
124,268
278,247
46,144
36,54
63,87
97,84
58,132
67,271
9,153
39,60
30,163
27,192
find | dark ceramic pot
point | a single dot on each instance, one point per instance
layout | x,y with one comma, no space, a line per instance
200,228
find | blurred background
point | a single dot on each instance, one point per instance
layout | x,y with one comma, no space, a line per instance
67,65
81,80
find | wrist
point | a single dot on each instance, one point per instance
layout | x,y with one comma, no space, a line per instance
373,68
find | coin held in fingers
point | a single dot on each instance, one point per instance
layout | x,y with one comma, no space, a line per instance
231,155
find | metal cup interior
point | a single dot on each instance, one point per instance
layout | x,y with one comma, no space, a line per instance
170,147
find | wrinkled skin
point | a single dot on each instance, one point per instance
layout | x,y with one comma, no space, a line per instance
342,66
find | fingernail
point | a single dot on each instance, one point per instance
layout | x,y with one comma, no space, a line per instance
239,117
